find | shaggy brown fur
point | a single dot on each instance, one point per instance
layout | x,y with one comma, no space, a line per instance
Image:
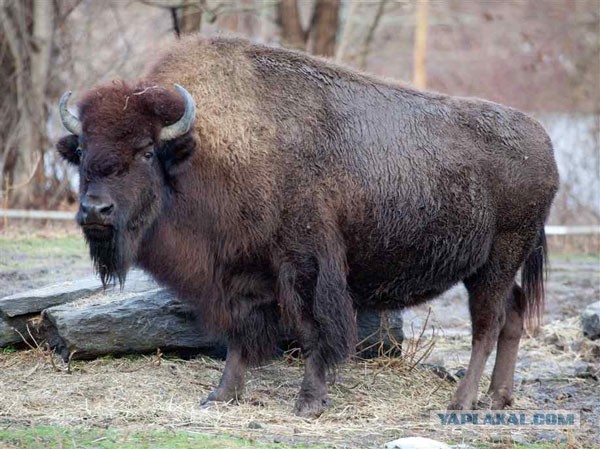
306,191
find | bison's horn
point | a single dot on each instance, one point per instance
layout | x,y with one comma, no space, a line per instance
69,121
183,125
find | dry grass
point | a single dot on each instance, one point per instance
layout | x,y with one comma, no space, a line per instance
374,401
376,397
574,244
564,341
44,229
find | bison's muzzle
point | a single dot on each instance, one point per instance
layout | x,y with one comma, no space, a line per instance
95,216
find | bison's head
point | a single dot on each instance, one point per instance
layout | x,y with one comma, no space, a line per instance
127,142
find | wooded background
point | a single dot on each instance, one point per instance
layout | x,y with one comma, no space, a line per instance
541,56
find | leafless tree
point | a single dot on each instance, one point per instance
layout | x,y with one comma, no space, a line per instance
185,14
319,37
28,30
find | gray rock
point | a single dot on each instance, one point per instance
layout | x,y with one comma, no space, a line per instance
34,301
519,438
460,373
18,309
590,321
8,336
120,323
379,333
15,332
416,443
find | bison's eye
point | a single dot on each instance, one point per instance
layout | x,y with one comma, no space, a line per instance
149,154
79,152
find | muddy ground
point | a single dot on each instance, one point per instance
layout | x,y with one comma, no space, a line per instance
558,369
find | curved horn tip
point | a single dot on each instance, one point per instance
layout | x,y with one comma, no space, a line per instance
186,121
64,99
69,121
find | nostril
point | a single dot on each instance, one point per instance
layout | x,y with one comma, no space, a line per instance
105,210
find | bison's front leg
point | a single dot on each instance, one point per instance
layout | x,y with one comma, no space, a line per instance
231,385
251,341
313,399
328,332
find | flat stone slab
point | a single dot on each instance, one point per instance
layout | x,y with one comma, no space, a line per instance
120,323
34,301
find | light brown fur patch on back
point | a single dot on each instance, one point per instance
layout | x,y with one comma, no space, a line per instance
222,80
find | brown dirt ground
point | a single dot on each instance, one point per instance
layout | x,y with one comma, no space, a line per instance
374,401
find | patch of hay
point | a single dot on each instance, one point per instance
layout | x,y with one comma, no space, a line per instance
375,397
373,401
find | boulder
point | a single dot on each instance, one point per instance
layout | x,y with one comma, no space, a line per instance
15,331
590,321
8,335
17,311
34,301
133,322
379,333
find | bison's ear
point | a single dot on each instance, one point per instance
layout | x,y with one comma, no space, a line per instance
68,148
174,152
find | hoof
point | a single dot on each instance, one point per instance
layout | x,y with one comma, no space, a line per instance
460,405
501,400
456,406
485,403
219,395
311,408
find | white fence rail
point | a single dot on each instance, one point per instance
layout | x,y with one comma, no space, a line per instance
37,214
572,230
61,215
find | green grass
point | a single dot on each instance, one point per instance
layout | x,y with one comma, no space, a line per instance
35,252
8,350
46,437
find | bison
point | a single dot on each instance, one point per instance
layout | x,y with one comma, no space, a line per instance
281,191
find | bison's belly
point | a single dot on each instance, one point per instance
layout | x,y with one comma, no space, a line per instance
405,269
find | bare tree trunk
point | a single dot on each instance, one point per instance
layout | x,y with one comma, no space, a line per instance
324,27
29,28
347,31
191,16
420,53
371,33
292,34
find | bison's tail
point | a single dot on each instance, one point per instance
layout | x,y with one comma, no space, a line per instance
533,275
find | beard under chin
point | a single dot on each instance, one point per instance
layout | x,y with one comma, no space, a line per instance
108,253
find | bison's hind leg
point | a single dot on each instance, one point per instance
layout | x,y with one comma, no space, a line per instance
501,386
251,341
494,297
